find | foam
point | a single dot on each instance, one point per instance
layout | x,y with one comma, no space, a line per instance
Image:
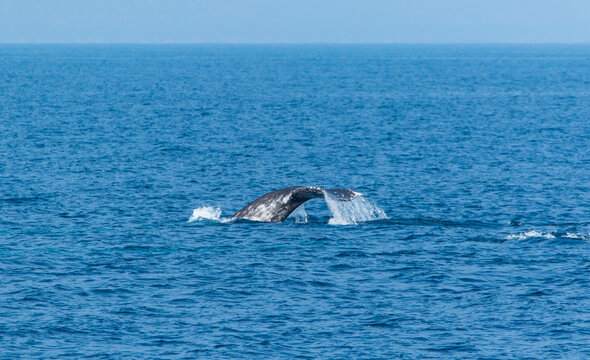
206,213
577,236
548,235
530,234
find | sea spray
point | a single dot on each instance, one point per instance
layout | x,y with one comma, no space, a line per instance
352,212
299,215
206,213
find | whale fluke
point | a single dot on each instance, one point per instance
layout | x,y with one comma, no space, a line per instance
277,205
342,194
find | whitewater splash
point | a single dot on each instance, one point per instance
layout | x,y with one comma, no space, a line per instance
352,212
530,234
299,215
577,236
548,235
206,213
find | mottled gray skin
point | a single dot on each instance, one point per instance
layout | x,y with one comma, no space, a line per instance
276,206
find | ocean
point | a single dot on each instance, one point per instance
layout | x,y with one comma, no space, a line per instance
120,166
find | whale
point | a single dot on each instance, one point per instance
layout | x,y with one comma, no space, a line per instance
277,205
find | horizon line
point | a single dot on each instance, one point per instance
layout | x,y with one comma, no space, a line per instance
287,43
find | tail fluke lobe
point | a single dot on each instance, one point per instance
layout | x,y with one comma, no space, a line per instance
342,194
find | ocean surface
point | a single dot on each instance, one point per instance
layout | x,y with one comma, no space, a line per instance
121,165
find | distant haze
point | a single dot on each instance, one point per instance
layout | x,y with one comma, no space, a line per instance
301,21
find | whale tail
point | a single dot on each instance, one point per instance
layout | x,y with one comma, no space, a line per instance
342,194
277,205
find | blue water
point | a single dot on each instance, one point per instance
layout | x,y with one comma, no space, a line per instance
479,156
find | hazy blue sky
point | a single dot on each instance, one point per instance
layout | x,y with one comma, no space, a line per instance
300,21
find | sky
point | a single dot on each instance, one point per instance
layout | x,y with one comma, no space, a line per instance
295,21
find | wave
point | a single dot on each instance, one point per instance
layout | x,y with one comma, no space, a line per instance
530,234
577,236
548,235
